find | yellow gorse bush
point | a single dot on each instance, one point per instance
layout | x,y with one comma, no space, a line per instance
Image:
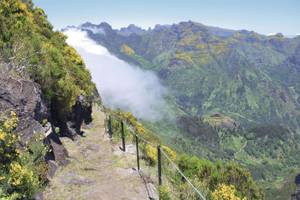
225,192
2,135
127,50
10,123
2,178
18,169
8,139
20,175
151,153
172,154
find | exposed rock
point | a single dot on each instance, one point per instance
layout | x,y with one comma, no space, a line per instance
39,196
58,151
23,97
52,167
72,178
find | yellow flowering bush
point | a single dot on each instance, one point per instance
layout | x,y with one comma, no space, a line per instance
8,139
225,192
164,193
20,177
127,50
151,154
169,152
10,123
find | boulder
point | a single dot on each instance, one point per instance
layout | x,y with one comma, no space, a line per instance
23,97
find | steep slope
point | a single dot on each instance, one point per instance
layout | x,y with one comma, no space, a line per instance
45,92
236,74
235,94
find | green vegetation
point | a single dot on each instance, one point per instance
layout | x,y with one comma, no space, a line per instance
22,171
225,192
127,50
33,51
216,180
28,42
235,95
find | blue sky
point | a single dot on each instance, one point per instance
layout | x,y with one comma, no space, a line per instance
263,16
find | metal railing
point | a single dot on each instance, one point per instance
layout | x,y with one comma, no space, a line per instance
170,165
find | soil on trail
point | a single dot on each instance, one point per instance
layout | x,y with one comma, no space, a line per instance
97,170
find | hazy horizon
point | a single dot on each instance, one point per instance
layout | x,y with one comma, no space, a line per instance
264,17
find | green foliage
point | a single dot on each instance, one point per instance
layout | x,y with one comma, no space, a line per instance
127,50
8,140
28,40
225,192
251,79
221,173
184,56
164,193
205,175
22,172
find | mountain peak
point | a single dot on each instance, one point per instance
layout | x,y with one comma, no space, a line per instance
131,29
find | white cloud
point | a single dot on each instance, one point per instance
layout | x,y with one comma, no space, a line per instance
79,40
270,34
121,85
95,30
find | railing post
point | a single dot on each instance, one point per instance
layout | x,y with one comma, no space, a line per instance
159,165
106,124
123,136
110,132
137,152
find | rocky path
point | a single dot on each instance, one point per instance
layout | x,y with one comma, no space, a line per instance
97,170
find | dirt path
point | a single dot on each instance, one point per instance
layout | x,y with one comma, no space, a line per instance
97,171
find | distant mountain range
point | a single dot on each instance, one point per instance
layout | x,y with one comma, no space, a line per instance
235,93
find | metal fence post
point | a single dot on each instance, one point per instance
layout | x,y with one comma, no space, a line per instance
159,164
106,124
123,136
110,132
137,152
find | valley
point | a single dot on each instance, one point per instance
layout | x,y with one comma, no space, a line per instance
233,95
201,112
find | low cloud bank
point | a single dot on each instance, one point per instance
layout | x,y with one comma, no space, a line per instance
121,85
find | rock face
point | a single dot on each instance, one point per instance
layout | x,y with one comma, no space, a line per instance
23,97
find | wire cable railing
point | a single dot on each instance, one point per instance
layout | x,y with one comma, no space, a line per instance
146,170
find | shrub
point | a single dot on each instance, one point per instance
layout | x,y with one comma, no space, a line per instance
151,154
225,192
22,172
8,140
164,193
127,50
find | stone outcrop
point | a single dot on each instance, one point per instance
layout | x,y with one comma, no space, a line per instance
23,97
37,116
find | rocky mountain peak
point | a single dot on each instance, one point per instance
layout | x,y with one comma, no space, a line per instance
131,29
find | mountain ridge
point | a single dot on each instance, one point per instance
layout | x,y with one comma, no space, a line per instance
213,28
248,77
